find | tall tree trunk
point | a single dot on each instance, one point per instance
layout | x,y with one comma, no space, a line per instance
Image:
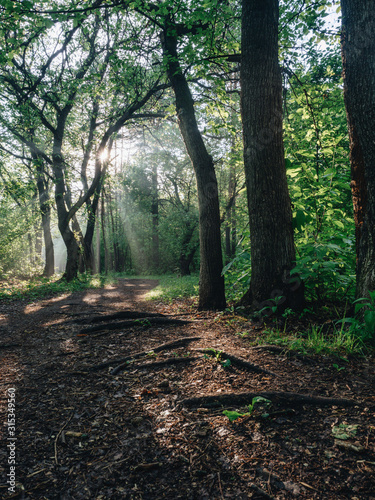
230,225
97,269
155,217
270,215
106,252
92,209
358,49
211,281
45,210
72,246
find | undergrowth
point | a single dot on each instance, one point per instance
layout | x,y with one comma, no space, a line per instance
40,287
338,342
173,287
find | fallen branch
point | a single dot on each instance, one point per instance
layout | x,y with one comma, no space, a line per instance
241,363
163,347
145,322
291,398
119,315
156,364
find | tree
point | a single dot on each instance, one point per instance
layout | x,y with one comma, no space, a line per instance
42,182
51,98
358,49
270,216
211,283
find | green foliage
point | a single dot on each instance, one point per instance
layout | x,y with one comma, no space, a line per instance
367,306
256,402
338,368
173,287
363,324
317,339
40,287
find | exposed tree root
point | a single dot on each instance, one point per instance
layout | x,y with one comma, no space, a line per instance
156,364
145,322
162,347
283,350
9,346
241,363
291,398
119,315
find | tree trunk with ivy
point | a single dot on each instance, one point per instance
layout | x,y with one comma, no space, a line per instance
270,215
358,49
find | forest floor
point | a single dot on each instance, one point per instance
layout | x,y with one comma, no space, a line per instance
148,430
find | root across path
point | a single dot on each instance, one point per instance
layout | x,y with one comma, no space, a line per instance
119,398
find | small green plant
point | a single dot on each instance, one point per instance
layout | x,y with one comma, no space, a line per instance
288,313
217,355
368,315
270,307
257,401
242,334
338,368
143,322
213,352
362,325
226,363
151,354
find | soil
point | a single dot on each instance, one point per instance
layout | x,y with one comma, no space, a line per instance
148,431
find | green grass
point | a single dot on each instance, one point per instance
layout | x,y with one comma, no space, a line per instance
40,287
170,286
173,287
315,340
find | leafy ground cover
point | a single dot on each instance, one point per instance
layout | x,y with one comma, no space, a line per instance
121,397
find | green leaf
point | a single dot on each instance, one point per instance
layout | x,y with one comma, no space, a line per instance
344,431
233,415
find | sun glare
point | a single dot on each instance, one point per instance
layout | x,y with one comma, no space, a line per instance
104,155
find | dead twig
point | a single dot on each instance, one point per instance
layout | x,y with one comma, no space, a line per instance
59,434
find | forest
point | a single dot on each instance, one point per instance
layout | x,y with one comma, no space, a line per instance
138,139
194,177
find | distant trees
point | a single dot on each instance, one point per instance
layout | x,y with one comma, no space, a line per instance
52,98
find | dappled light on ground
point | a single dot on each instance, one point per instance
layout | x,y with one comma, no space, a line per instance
118,397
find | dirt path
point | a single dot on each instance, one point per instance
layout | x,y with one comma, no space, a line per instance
86,433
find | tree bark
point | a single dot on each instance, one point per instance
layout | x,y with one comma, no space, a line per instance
155,218
211,282
270,215
358,49
45,210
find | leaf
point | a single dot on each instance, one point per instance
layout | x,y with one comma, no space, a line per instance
233,415
226,363
344,431
369,318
